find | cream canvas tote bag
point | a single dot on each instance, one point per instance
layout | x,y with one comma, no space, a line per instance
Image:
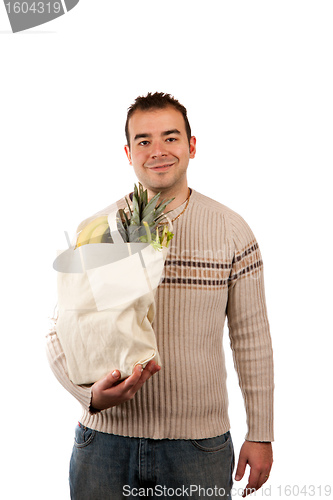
106,306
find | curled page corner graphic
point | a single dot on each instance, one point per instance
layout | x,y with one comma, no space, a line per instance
28,14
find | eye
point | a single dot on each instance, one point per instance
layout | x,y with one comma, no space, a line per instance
143,143
171,139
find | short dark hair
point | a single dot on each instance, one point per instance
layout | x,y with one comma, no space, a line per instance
158,100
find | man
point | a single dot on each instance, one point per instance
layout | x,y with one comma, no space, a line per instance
168,427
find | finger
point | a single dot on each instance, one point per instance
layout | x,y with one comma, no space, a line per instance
150,369
248,491
253,482
133,379
263,478
109,380
240,468
148,372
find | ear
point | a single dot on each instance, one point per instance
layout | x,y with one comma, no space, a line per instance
193,149
128,154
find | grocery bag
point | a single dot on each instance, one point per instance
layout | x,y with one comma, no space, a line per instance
106,306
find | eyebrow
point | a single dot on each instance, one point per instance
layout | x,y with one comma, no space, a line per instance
167,132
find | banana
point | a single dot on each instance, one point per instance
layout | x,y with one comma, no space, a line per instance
98,233
87,231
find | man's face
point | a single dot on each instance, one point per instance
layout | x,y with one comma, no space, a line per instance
159,149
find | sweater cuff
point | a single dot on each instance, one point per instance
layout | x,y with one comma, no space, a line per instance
260,419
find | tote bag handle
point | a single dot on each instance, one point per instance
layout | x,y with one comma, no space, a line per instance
115,234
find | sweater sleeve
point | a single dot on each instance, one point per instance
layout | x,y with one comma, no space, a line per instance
249,332
57,361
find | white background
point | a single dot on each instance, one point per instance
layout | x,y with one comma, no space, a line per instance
256,78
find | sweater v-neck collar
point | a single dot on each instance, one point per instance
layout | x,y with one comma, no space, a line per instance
176,211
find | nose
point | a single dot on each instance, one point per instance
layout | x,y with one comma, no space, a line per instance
158,150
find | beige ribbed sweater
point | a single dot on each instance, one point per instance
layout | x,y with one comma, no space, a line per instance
213,270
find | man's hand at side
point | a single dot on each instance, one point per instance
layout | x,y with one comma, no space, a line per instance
108,392
259,456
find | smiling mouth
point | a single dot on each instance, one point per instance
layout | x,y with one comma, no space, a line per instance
161,167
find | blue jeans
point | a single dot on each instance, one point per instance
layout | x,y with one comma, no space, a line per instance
106,466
